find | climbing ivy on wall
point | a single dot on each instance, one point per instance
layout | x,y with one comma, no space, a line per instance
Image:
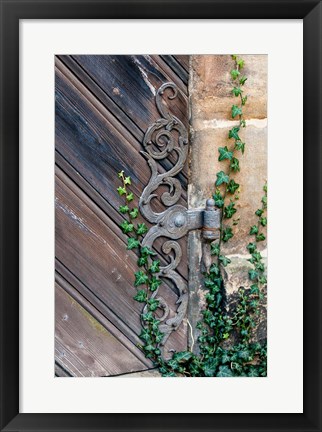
227,343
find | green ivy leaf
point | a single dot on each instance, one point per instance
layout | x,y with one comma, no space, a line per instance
233,133
239,145
155,266
263,221
224,153
121,174
243,123
234,165
253,372
173,364
134,213
127,180
251,247
252,274
237,91
224,260
240,63
253,230
219,200
182,356
254,289
232,186
140,296
244,354
169,374
127,227
145,251
264,201
132,243
148,317
225,372
221,178
141,229
244,100
227,234
130,197
214,269
259,212
210,366
124,209
142,261
153,304
158,337
230,210
259,266
215,249
242,80
260,237
235,111
234,73
154,283
262,280
256,256
140,278
121,190
149,348
155,325
145,335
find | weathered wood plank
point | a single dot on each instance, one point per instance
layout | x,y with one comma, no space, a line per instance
172,62
88,303
107,213
71,70
131,82
60,371
94,299
172,75
96,162
93,253
83,346
104,105
93,146
184,61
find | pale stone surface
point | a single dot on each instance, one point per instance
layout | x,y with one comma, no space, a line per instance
210,131
236,273
210,101
251,177
211,85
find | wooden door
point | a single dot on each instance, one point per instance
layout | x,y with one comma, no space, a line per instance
104,105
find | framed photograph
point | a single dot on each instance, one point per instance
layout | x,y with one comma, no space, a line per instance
160,214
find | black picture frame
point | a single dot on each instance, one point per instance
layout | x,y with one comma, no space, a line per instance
11,12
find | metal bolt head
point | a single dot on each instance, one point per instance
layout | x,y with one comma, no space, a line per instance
179,220
210,204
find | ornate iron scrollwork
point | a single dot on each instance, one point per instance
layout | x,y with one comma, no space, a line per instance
166,136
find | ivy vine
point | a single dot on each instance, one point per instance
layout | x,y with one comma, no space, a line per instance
227,343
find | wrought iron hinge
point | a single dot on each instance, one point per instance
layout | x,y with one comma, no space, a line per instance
168,136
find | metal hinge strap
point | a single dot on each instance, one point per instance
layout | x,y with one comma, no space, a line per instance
166,136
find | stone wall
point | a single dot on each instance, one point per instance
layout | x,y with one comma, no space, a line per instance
210,111
210,102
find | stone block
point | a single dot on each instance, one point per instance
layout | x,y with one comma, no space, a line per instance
252,176
211,85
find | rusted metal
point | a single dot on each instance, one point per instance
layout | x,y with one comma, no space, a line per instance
211,221
165,137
